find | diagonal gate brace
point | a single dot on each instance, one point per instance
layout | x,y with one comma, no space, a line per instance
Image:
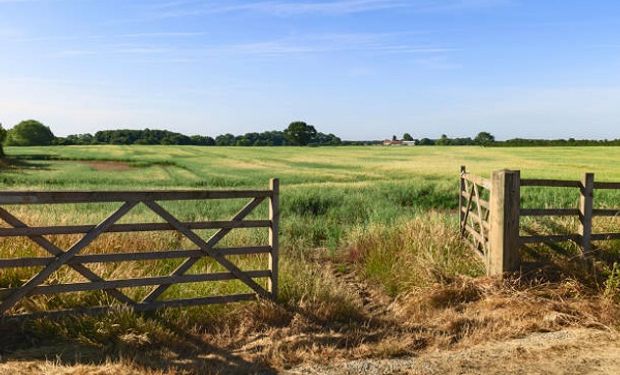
207,247
54,250
63,257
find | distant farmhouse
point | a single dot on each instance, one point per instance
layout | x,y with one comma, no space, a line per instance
397,142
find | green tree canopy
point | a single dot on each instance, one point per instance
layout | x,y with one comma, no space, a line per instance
225,140
484,139
426,142
443,141
29,133
407,137
299,133
2,138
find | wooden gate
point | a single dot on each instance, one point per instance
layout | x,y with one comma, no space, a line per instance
492,226
474,212
71,257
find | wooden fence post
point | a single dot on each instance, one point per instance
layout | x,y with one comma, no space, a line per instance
274,217
461,200
586,203
504,203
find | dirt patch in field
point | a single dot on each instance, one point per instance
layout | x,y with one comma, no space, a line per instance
108,165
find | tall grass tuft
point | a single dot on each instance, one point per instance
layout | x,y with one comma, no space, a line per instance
410,254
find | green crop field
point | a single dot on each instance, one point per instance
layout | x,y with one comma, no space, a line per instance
387,214
189,166
328,194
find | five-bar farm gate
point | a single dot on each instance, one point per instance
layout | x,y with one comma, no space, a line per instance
72,257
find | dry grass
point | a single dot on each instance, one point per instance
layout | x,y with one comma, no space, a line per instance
266,337
470,311
52,367
436,299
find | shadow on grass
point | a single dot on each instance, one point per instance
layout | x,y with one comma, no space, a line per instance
186,353
179,349
558,261
24,162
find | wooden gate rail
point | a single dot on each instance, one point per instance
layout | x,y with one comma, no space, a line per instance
473,206
71,257
52,197
499,229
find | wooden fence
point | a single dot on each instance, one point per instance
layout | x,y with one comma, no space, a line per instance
71,257
492,226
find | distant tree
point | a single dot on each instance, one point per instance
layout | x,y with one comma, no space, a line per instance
461,141
407,137
225,140
200,140
75,139
443,141
29,133
2,138
299,133
322,139
426,142
176,139
272,138
484,139
243,141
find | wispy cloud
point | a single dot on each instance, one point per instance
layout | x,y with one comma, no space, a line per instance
297,45
138,35
456,5
282,8
293,8
113,50
379,43
171,34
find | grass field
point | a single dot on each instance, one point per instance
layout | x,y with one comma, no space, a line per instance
385,215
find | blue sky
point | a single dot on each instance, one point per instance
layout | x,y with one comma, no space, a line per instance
362,69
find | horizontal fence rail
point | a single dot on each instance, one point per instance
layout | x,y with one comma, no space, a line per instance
502,235
72,257
56,197
584,213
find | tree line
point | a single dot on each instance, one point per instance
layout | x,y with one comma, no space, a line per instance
482,139
487,139
298,133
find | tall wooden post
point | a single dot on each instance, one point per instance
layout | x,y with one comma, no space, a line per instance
461,199
274,217
504,203
586,203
